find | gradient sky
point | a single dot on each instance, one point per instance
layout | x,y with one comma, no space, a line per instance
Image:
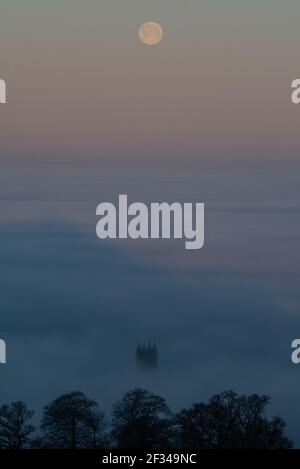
206,116
81,85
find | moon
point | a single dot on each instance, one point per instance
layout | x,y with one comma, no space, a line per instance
151,33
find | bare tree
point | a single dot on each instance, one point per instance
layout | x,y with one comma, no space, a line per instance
72,421
230,421
14,427
141,420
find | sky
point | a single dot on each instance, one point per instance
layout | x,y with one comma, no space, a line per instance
82,86
205,116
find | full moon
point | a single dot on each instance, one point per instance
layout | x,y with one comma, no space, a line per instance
151,33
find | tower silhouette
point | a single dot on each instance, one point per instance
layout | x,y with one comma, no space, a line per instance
146,355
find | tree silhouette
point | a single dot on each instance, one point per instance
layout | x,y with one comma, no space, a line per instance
14,426
73,421
96,424
230,421
141,420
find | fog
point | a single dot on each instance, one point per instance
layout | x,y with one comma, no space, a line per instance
74,307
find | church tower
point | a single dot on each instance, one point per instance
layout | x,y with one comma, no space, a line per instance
146,355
